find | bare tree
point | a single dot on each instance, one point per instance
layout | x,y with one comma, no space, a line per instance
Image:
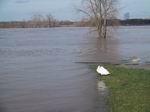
37,20
50,20
100,11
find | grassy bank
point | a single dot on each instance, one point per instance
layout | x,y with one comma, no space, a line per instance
129,89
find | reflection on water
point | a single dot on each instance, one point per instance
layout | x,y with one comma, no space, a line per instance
100,50
134,41
126,43
38,72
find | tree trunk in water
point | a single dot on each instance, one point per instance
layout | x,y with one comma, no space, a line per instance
105,28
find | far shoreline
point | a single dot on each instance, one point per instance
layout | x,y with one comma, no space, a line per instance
68,23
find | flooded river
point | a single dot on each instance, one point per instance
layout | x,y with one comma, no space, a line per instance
39,69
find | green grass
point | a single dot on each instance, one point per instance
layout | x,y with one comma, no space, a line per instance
129,89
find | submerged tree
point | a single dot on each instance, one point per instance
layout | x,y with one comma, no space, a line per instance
51,21
100,12
39,21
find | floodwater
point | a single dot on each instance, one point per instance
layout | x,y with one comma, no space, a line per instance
124,43
39,69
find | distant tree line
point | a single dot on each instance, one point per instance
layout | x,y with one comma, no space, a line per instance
47,22
37,21
116,22
135,22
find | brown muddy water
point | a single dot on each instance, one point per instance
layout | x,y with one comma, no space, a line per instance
39,69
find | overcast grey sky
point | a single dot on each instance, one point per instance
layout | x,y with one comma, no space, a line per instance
63,9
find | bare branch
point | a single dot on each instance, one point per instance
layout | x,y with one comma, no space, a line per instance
101,11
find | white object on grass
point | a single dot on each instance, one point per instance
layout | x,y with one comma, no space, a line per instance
103,71
136,60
